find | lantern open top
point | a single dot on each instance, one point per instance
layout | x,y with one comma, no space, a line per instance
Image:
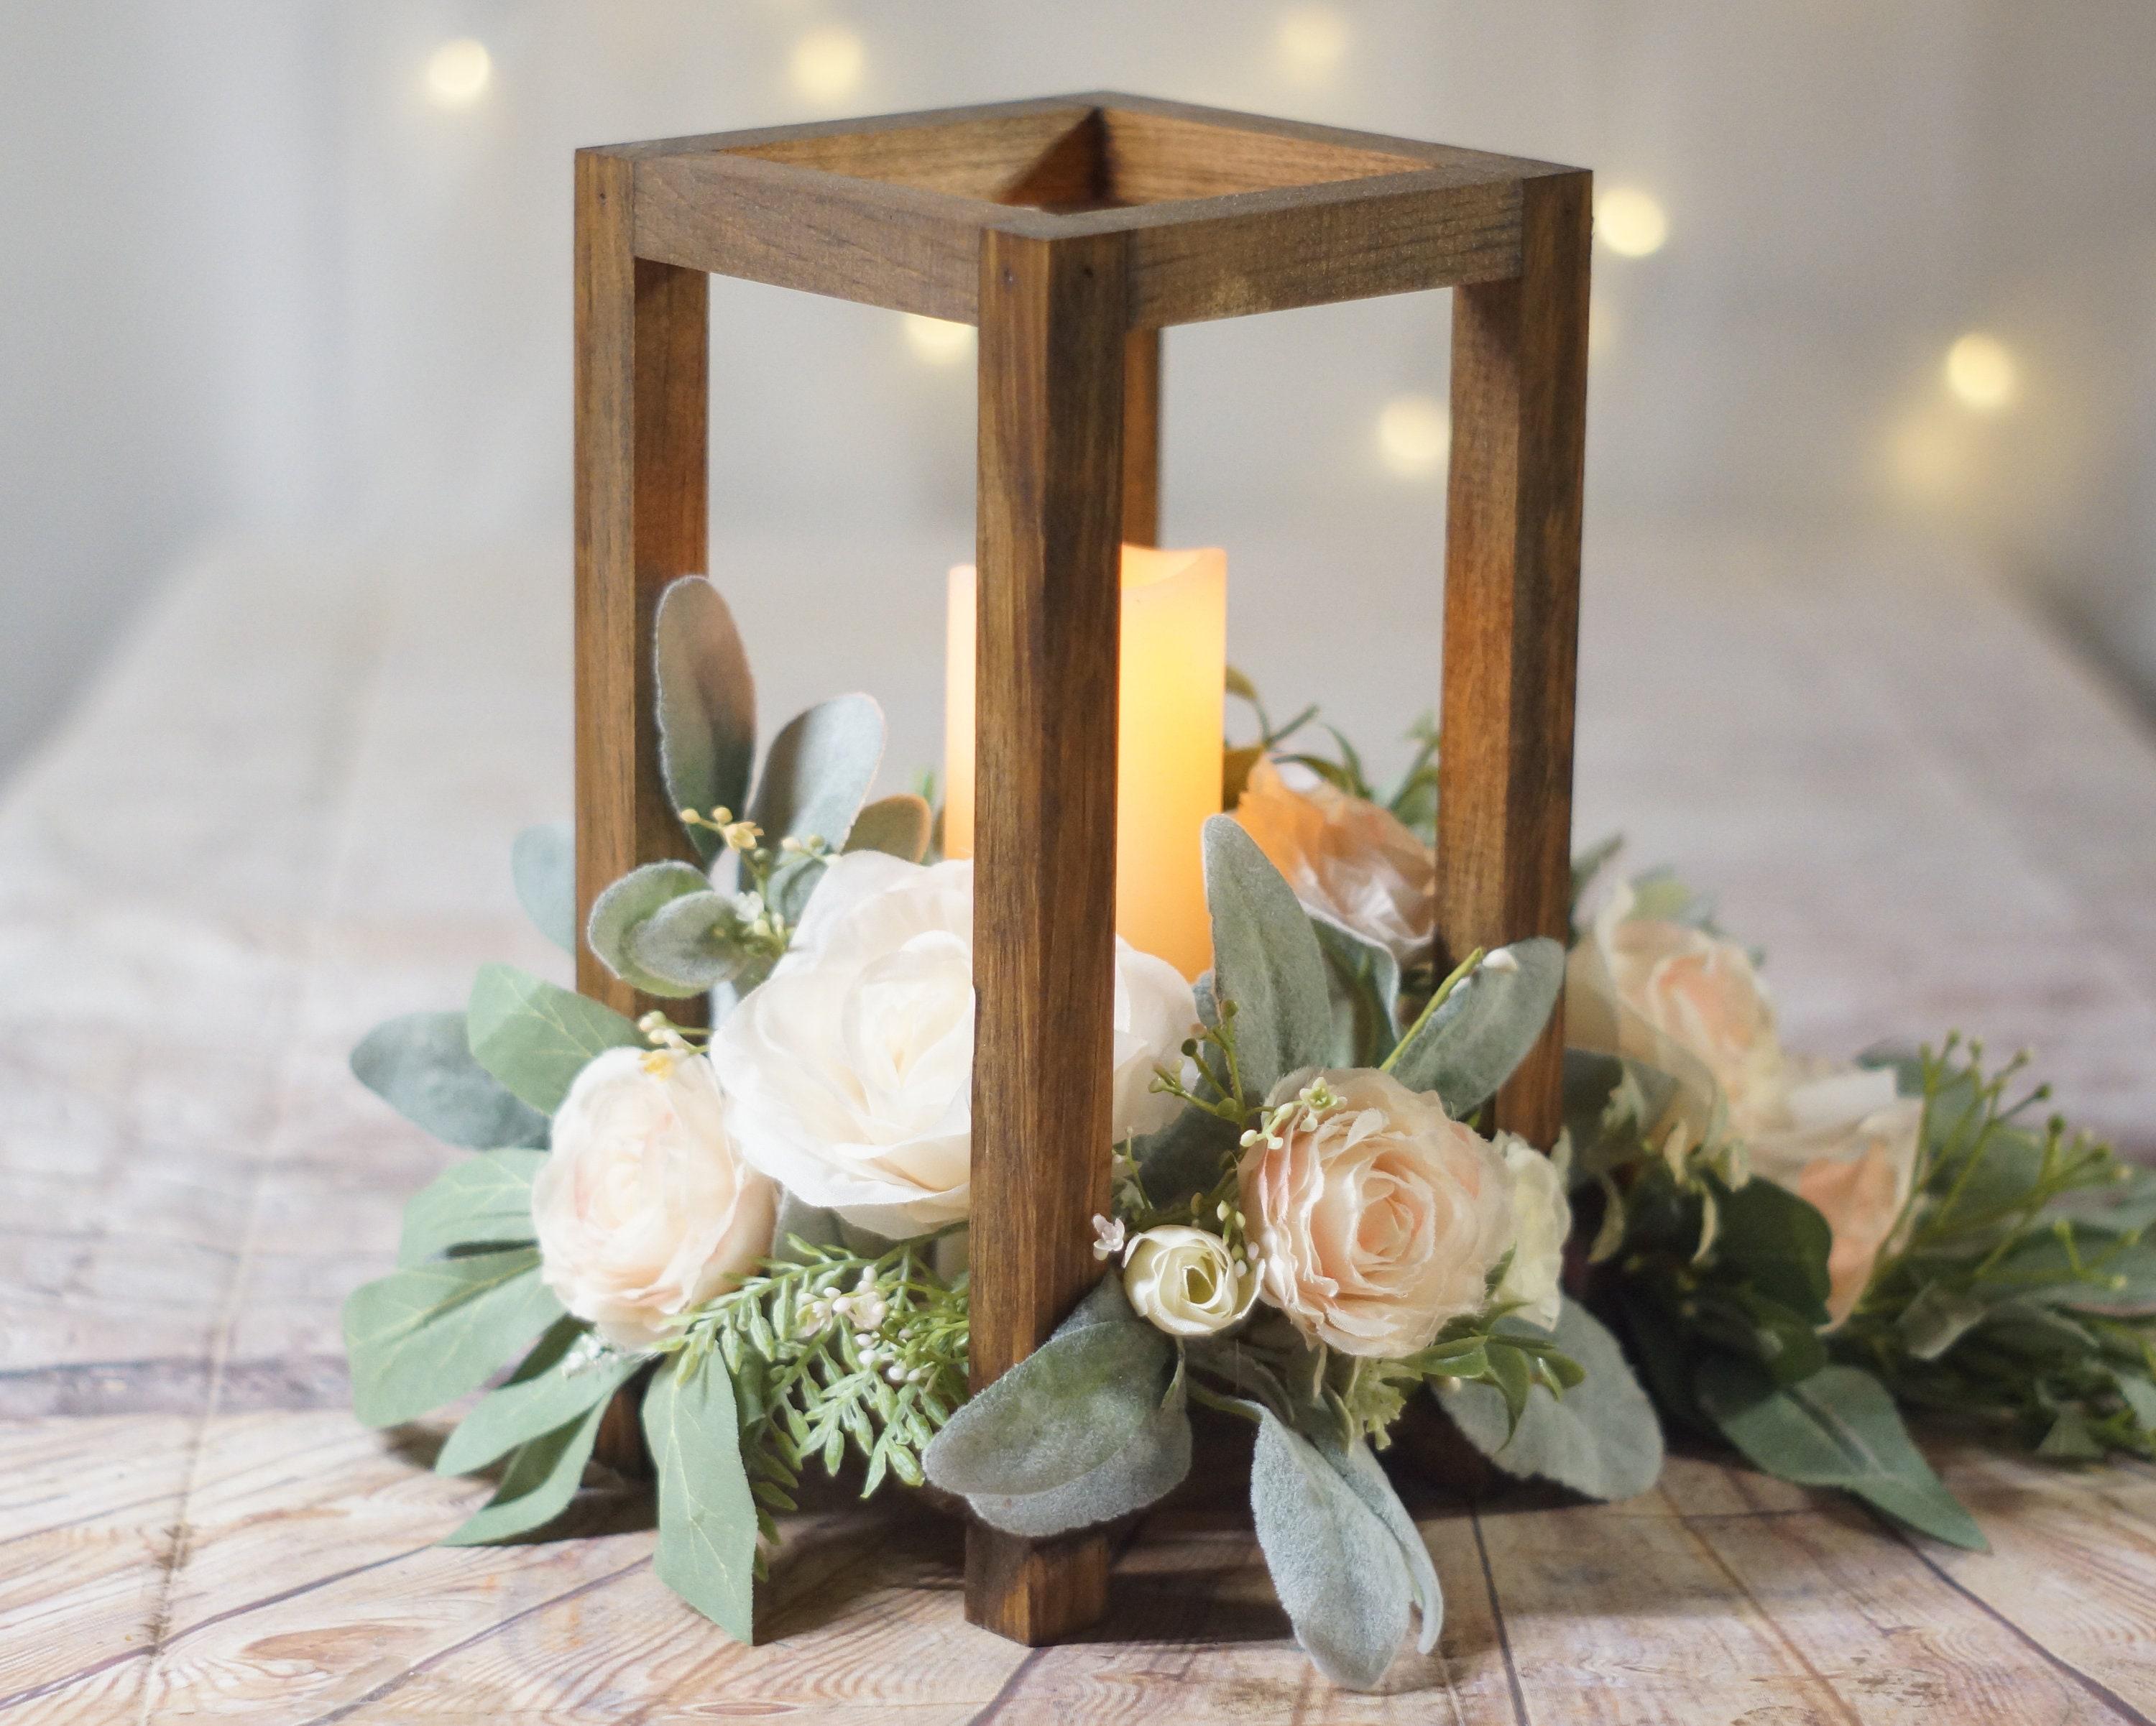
1225,214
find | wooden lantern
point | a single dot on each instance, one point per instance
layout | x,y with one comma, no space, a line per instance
1071,230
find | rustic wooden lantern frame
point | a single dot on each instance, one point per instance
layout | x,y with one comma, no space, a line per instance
1071,231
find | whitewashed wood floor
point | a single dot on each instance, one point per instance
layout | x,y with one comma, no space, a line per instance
284,814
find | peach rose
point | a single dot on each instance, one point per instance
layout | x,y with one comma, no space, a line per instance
1346,857
1846,1145
643,1208
1376,1218
1698,992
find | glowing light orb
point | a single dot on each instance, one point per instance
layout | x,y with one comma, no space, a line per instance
1631,222
458,72
1981,372
1414,435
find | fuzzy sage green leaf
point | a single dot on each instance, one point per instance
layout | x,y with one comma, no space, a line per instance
706,704
1265,959
422,1066
481,1201
818,769
707,1525
1600,1439
1837,1428
1365,978
1151,1464
426,1334
542,863
898,825
541,1396
1366,1477
622,913
541,1477
535,1037
1470,1045
1337,1568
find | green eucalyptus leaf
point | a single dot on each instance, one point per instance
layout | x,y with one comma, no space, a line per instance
1186,1156
1085,1396
898,825
1776,1243
1265,959
542,1476
621,912
706,704
427,1333
1837,1428
543,1394
542,863
535,1037
1937,1319
707,1514
1368,1480
1469,1046
819,768
483,1201
1338,1570
420,1065
1600,1439
1365,982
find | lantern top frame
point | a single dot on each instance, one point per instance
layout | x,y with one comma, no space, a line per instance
1225,214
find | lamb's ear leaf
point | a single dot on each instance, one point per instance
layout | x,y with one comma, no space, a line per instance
1075,1403
426,1334
1265,959
422,1066
706,1514
542,1395
1185,1156
1469,1045
535,1037
689,944
1838,1428
482,1200
898,825
819,768
1368,1480
543,1475
1365,982
543,863
1151,1465
1338,1570
621,914
1600,1438
706,704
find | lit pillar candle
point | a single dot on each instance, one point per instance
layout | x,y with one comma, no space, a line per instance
1167,743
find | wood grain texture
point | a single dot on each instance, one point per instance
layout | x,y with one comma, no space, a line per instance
1141,361
642,383
1052,355
1511,611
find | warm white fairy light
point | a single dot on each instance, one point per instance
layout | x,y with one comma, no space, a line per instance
1310,41
827,63
937,341
1981,372
457,72
1414,435
1631,222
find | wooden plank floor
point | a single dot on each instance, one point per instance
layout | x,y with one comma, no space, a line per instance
285,815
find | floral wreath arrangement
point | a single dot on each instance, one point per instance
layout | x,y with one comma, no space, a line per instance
763,1226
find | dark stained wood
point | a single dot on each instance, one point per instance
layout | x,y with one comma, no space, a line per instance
1052,357
641,381
1155,156
989,157
1511,610
1141,437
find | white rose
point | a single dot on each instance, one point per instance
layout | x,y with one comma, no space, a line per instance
1542,1222
1346,857
1183,1281
849,1070
1847,1145
643,1208
1377,1219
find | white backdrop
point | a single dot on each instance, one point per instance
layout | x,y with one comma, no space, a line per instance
257,280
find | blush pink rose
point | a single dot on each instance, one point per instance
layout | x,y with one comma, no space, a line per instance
643,1208
1346,857
1376,1218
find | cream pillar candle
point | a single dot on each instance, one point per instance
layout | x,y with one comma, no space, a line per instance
1168,742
